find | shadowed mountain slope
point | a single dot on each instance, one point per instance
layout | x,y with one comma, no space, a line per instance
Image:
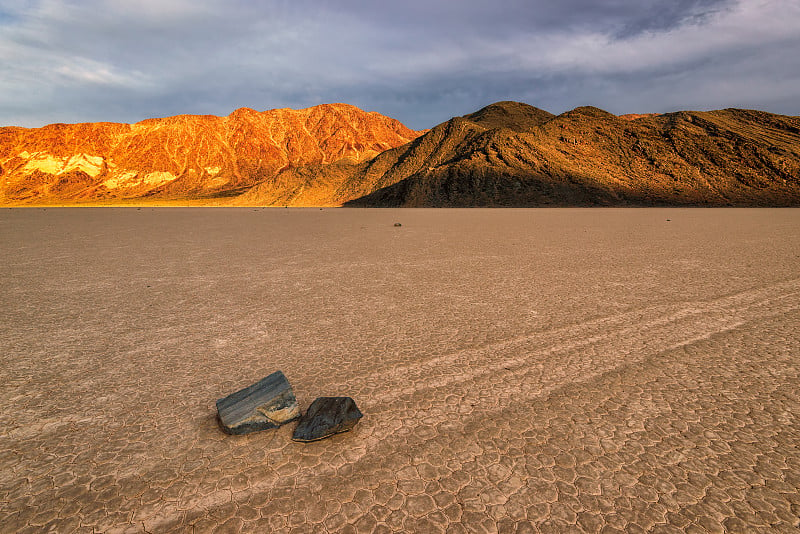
186,156
590,157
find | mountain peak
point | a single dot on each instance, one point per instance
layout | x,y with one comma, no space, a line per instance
591,112
515,116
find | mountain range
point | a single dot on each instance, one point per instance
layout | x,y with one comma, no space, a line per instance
186,157
506,154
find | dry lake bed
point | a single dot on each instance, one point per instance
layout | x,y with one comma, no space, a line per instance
541,370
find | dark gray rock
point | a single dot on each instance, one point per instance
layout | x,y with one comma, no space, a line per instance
269,403
327,416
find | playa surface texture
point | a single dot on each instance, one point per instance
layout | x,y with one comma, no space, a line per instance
535,370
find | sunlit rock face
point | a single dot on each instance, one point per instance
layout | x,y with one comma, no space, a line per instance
186,156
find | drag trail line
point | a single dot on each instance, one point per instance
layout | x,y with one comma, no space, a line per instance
590,347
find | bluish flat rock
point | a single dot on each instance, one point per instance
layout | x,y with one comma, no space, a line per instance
269,403
327,416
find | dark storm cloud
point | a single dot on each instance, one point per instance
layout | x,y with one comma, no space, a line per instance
419,61
622,17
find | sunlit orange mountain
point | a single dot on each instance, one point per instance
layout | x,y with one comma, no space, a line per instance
186,156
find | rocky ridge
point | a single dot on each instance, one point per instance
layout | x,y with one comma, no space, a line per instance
186,156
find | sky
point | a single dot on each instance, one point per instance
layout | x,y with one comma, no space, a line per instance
419,61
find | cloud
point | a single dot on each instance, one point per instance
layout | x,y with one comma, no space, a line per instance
86,71
421,61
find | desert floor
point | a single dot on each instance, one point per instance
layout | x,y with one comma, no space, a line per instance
542,370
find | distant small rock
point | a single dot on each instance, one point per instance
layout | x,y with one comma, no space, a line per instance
327,416
398,224
269,403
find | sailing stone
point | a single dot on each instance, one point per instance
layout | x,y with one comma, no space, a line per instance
327,416
269,403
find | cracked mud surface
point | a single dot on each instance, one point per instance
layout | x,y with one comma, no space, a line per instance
518,370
